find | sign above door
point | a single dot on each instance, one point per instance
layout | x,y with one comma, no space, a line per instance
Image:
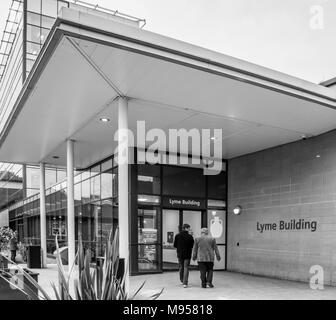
183,203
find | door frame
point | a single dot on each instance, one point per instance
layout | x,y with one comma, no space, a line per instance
204,223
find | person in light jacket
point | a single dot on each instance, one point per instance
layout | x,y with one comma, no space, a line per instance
204,251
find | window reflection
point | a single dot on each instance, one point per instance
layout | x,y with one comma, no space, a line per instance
148,258
147,226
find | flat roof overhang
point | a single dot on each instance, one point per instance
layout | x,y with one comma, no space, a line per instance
88,62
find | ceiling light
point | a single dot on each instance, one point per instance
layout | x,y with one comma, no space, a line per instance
318,156
105,120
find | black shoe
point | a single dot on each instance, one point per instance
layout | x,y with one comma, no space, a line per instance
203,286
210,285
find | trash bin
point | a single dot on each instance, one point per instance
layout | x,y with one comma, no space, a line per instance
34,257
121,266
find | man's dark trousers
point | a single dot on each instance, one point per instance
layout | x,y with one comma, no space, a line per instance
206,270
13,255
184,270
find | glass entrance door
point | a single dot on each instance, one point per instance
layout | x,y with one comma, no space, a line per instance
170,228
172,221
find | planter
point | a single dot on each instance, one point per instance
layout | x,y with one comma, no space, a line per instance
9,292
3,263
34,257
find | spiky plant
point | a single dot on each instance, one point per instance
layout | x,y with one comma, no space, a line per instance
102,283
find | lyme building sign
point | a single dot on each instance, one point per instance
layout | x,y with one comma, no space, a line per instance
183,203
292,225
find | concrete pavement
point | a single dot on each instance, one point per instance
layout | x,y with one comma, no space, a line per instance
228,286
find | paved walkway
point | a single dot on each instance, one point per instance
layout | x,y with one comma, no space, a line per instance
228,286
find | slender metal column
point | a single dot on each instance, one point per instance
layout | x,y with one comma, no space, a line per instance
43,218
123,158
71,203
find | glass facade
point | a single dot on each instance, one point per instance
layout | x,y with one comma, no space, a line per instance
28,25
40,17
96,210
153,222
11,184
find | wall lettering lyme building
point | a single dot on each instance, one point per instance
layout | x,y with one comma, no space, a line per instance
292,225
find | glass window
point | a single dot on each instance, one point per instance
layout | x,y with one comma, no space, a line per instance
78,177
34,5
147,226
50,177
61,175
47,22
181,181
95,188
49,7
44,34
95,170
149,181
107,165
148,248
58,200
77,194
115,182
52,202
96,230
217,186
148,257
33,48
34,34
86,222
86,191
85,175
64,198
34,18
107,219
106,185
33,178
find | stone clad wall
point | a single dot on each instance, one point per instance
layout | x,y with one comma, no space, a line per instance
284,183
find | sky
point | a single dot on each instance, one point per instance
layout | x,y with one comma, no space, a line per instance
297,37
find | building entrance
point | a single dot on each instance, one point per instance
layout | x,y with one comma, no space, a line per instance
172,222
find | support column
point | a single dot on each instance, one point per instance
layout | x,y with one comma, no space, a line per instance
71,204
123,159
43,217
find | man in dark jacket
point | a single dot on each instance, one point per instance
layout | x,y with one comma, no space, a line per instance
184,243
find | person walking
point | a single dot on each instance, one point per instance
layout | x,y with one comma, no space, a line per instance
184,243
13,247
204,250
